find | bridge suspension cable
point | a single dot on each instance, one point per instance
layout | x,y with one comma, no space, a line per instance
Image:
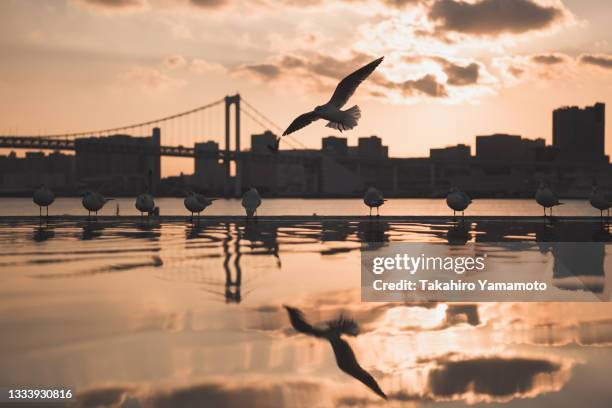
272,123
136,125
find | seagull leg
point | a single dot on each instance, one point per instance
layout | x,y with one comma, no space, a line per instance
378,211
370,211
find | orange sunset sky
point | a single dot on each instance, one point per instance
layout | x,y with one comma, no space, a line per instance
453,69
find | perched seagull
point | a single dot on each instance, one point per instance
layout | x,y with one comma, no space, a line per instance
546,198
250,201
332,331
93,201
373,198
196,203
598,200
43,197
331,111
145,203
457,200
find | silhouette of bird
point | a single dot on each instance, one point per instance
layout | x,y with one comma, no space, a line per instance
598,200
93,201
332,331
250,201
196,203
373,198
145,203
546,198
457,200
331,111
43,197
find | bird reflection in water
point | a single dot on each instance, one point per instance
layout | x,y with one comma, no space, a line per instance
92,230
333,330
458,234
373,231
43,233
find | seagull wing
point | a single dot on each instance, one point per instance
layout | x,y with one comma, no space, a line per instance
345,358
299,323
346,88
301,122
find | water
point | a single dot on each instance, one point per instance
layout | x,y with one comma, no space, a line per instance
168,314
296,206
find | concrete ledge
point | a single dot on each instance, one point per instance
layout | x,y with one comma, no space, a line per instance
301,218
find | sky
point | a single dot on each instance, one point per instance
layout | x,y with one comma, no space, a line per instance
453,69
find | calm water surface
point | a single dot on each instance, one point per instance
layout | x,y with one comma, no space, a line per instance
296,206
170,314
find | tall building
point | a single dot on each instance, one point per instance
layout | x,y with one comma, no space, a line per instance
119,164
509,148
333,145
372,148
260,142
209,171
458,152
579,134
23,174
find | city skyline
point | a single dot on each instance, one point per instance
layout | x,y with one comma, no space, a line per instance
452,70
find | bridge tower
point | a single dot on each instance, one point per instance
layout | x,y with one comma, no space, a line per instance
229,101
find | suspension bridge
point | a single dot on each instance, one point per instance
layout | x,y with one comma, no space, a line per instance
209,122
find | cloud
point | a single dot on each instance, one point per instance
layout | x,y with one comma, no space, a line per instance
174,61
599,60
209,4
549,59
151,79
494,378
114,6
426,85
259,393
266,72
200,66
460,75
494,17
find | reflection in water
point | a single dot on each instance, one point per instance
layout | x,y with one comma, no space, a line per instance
43,233
92,230
163,290
458,234
332,331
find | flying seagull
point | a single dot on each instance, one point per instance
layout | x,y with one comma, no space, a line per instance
332,330
331,111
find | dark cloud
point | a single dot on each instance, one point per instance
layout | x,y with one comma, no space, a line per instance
256,394
493,17
401,3
266,72
460,75
493,376
103,396
600,60
115,5
427,85
549,59
209,4
324,71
